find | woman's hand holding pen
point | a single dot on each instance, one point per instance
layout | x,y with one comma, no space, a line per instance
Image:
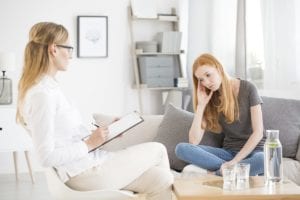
97,137
202,96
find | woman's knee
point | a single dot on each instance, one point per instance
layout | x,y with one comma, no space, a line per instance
257,163
259,158
159,148
181,149
159,151
155,145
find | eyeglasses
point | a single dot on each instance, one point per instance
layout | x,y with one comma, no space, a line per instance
69,48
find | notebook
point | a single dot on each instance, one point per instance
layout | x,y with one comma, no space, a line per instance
121,126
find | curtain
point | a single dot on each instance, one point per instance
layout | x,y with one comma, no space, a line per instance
273,42
255,59
241,43
279,26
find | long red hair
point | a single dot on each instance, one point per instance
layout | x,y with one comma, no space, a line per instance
223,101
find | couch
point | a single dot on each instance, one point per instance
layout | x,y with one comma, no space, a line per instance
172,128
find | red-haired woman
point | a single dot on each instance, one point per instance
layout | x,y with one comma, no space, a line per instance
225,105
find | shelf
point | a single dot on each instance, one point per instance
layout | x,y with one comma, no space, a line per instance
139,52
2,106
170,18
144,86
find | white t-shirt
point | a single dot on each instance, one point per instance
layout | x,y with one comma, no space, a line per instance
57,131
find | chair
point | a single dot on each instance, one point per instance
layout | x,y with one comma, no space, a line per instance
60,191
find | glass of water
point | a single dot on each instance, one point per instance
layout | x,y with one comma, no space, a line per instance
242,176
228,173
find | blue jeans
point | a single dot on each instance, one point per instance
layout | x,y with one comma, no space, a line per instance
211,158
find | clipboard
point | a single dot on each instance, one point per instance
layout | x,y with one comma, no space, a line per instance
121,126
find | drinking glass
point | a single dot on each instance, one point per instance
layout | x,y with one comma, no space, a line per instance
242,176
228,173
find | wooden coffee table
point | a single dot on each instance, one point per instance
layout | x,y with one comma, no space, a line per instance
209,187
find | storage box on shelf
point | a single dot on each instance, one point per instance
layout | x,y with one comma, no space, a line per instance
158,71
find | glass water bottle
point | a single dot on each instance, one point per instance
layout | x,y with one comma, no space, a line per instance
273,158
5,90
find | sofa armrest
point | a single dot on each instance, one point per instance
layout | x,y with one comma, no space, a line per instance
291,169
143,132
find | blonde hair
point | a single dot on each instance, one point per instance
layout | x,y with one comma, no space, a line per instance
223,101
36,57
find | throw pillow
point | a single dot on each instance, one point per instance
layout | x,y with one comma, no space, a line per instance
283,115
174,129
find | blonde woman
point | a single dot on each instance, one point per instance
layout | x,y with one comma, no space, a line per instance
57,130
227,105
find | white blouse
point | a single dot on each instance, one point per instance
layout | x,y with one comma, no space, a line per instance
57,131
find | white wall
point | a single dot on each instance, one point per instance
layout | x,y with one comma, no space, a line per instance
95,85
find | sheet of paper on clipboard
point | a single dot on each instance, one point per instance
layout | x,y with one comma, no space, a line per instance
122,125
125,123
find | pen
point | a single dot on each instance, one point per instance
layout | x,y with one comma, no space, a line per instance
96,125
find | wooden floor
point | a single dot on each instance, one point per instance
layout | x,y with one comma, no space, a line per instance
10,189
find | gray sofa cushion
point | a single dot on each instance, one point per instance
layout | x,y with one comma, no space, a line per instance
174,129
291,169
283,115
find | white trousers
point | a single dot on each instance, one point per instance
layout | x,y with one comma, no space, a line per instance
143,168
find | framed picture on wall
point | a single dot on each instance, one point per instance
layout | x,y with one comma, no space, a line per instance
92,37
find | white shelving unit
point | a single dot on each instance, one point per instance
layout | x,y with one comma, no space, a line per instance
172,22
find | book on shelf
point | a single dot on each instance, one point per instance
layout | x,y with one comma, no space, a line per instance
181,82
169,41
183,85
